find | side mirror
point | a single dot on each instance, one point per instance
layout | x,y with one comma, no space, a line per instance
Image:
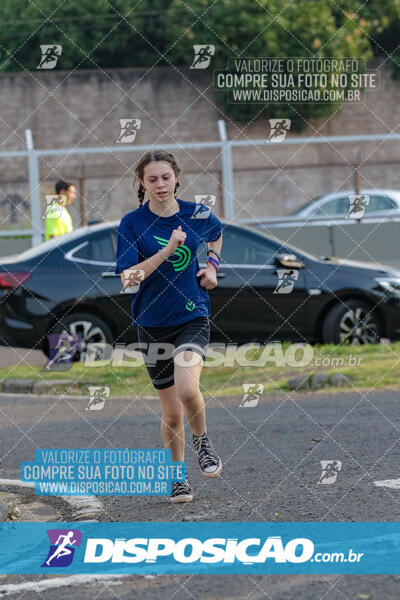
288,260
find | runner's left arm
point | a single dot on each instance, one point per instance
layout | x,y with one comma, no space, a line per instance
217,245
209,274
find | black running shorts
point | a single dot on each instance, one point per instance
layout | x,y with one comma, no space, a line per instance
166,342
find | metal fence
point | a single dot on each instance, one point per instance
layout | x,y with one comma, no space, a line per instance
33,155
225,147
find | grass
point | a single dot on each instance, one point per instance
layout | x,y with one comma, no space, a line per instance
13,226
375,366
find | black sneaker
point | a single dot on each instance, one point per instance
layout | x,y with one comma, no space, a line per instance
181,492
210,463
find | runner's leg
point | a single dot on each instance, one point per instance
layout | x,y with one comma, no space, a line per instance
172,429
187,383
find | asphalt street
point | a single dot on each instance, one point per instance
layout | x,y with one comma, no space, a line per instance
271,454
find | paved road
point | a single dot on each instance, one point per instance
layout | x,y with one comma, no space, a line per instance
12,356
271,470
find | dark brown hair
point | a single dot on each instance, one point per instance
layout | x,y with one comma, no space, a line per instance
147,158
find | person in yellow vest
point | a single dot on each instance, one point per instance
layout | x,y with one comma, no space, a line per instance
58,219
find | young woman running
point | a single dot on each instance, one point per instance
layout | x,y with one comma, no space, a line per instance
171,306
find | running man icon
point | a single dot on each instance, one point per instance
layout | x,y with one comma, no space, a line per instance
50,55
61,548
129,129
59,553
202,56
358,204
279,129
330,470
286,281
63,353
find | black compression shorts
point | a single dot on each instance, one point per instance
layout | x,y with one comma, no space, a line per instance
193,335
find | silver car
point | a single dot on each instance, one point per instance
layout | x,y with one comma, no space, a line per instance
382,203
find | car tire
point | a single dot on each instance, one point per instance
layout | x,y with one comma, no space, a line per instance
352,322
91,329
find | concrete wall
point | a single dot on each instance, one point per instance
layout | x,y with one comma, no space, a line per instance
83,108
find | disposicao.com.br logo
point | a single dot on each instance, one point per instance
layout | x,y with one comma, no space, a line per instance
212,550
161,548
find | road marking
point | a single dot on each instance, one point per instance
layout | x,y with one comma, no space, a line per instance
55,582
390,483
82,507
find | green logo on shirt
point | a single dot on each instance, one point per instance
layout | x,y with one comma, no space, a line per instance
190,305
180,258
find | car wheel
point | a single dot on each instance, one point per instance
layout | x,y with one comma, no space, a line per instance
353,322
91,330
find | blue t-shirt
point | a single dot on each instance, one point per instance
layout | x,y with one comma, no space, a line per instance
172,294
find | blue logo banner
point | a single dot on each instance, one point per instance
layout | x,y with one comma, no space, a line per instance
200,548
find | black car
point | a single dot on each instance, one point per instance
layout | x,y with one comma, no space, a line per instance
68,284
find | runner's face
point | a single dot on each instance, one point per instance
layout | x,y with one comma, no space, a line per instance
159,180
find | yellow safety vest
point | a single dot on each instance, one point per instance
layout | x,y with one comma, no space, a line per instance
58,222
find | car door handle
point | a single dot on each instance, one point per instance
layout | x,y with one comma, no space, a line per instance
220,275
109,274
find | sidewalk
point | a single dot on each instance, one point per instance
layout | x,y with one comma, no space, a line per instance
10,356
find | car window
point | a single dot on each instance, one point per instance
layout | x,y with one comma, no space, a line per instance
100,248
243,248
380,203
305,206
340,206
335,206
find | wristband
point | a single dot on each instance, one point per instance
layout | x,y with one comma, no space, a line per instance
208,262
214,252
213,260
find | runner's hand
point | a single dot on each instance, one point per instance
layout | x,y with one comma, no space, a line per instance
208,277
177,238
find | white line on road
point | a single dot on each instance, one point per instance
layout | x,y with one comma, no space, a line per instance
56,582
390,483
83,507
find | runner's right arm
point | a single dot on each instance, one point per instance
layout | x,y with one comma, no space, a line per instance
148,266
152,263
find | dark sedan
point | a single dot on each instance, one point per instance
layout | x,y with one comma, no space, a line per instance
266,291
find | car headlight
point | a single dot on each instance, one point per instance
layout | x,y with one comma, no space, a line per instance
389,284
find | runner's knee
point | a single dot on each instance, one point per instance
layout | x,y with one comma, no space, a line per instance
188,392
173,419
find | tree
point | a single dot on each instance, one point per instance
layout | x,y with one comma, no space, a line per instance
93,33
266,28
121,33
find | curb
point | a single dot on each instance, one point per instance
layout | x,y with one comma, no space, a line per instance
47,584
5,510
83,508
317,381
72,396
28,386
45,388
